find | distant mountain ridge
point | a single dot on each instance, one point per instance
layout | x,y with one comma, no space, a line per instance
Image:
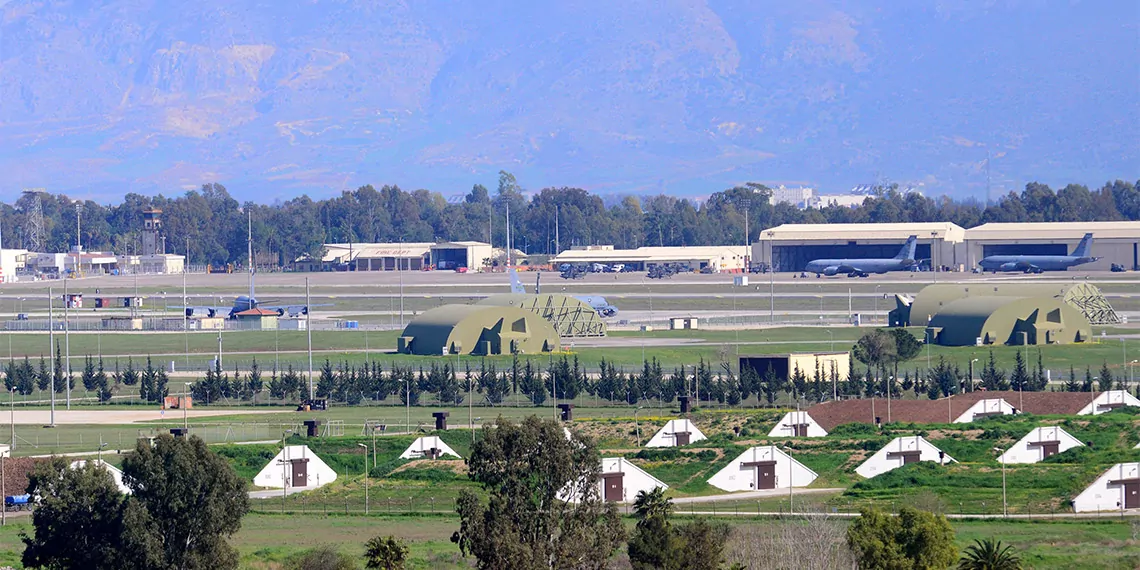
99,98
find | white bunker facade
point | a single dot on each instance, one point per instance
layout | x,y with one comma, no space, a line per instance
116,474
296,467
797,424
428,447
986,408
901,451
1040,444
1107,401
1115,490
761,468
620,482
676,433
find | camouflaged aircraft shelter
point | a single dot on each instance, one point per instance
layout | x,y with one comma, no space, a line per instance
478,330
1007,320
1084,297
569,316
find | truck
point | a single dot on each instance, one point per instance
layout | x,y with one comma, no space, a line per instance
18,502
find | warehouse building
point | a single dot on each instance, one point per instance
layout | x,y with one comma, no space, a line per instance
721,259
478,329
1117,489
832,366
902,451
1040,444
790,247
1113,242
410,256
676,433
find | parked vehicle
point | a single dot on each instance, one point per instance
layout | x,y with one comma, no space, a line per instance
18,502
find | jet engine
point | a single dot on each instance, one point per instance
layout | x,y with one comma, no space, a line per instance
832,270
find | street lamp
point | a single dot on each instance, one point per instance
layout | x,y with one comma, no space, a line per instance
831,336
365,446
637,425
877,300
184,405
1004,504
284,468
971,380
408,404
1131,370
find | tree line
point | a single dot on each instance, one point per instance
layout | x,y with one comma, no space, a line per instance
566,379
210,225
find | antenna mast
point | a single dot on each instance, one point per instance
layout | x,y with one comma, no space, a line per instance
34,218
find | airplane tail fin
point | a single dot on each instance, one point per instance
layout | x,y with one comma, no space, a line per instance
516,285
907,251
1084,249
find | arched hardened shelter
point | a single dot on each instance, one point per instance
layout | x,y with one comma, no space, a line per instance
1085,297
570,317
478,329
1007,320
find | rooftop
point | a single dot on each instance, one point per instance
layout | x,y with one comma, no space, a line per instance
1054,230
899,231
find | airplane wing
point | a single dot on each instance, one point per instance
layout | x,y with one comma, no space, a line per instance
292,310
205,311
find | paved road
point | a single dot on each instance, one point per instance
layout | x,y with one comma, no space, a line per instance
765,494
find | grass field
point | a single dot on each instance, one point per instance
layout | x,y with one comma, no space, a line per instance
266,540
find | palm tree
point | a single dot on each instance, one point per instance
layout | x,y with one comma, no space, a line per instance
654,503
988,554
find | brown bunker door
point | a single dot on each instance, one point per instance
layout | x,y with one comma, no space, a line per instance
908,457
1049,448
612,485
800,430
765,474
300,472
1132,494
682,437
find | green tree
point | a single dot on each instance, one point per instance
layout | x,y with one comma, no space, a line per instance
191,500
253,382
1019,377
879,351
323,557
912,540
993,378
525,468
989,554
658,545
1071,383
1105,380
385,553
79,521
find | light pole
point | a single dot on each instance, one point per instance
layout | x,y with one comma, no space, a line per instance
1004,504
788,452
637,425
365,476
1131,370
877,300
971,379
831,336
284,468
771,279
309,336
67,341
185,404
408,404
51,351
933,265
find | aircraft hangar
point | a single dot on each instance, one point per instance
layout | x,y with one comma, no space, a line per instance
790,247
1113,242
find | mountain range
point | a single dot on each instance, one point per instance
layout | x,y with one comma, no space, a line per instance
278,98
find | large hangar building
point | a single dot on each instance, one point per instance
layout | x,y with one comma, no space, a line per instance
790,247
1113,242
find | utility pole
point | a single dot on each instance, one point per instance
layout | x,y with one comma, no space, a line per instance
557,245
67,341
51,351
508,204
309,332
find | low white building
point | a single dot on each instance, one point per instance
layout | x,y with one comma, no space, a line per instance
797,424
984,409
620,482
1039,444
429,447
901,451
12,262
676,433
760,468
1117,489
1107,401
116,474
296,467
